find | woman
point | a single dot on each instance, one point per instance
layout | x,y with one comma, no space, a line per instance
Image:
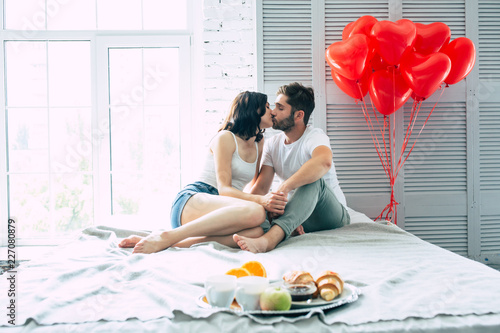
215,207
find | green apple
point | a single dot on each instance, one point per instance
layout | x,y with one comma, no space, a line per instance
275,299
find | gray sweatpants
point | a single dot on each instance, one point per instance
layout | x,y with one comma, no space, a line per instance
315,207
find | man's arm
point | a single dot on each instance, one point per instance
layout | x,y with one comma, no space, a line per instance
263,183
275,201
311,171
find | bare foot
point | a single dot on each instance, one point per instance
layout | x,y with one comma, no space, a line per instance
254,245
299,231
153,243
130,241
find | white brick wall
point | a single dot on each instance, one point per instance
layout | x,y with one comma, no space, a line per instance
229,56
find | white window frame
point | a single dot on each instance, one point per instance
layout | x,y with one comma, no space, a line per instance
187,39
102,190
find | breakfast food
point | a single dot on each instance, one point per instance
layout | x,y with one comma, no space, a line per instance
238,272
255,268
330,285
275,299
250,268
302,286
298,277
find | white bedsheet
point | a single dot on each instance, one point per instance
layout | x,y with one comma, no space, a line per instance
403,280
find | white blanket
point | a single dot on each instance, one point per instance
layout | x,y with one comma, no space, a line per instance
401,276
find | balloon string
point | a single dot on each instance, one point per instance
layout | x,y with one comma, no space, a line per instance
391,209
413,118
392,147
387,157
373,134
425,122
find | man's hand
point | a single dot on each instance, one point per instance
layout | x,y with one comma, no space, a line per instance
274,203
284,189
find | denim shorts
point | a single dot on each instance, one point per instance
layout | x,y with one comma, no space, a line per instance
183,196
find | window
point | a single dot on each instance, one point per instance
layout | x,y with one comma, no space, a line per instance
36,15
91,105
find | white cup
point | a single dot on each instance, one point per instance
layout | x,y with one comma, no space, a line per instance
220,290
248,291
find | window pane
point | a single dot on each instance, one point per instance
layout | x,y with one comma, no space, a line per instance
71,15
127,138
145,195
29,203
161,14
127,193
70,140
28,15
72,202
161,76
126,77
26,71
33,15
119,14
69,74
161,142
28,140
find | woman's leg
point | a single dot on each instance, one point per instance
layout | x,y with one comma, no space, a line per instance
206,215
224,240
227,240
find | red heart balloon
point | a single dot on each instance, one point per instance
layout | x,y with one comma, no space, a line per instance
392,39
378,63
424,74
363,25
347,30
388,91
350,87
462,54
349,58
431,37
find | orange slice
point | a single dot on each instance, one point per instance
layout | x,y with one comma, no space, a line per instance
255,268
238,272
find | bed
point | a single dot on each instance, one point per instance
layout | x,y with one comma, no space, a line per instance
405,284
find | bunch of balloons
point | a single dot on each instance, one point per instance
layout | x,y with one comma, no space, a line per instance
393,61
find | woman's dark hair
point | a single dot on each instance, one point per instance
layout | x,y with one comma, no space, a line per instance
245,114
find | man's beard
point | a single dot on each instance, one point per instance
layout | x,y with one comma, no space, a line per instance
284,125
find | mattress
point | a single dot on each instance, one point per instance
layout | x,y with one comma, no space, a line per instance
90,284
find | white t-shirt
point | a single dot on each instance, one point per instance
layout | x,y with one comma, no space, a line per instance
286,159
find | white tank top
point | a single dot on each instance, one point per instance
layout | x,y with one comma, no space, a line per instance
242,172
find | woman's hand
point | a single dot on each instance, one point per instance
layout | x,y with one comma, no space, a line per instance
274,202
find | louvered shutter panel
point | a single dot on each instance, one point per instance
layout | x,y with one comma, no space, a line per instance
286,43
450,12
435,178
489,127
435,175
339,13
358,166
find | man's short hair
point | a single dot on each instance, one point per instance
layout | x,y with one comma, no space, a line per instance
299,97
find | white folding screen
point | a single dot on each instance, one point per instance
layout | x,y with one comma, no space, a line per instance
487,100
449,189
435,175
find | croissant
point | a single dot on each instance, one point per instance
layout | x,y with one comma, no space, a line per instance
298,277
330,285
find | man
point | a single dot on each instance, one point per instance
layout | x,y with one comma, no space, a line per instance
302,158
